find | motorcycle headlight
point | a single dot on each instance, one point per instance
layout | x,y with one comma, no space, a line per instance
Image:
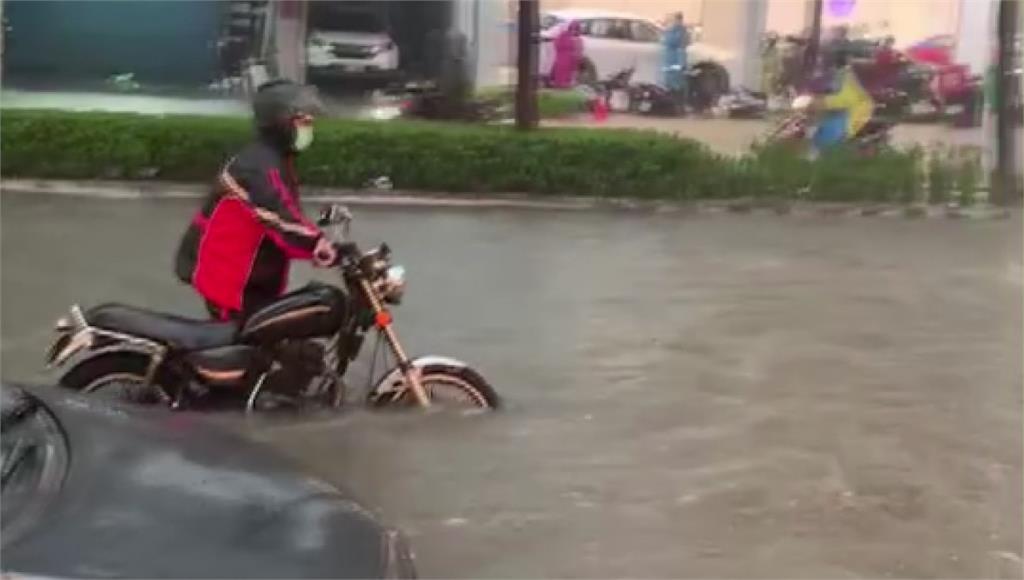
394,284
396,274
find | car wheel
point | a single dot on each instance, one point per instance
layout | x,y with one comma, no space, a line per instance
712,81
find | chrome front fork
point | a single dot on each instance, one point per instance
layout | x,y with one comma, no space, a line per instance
383,322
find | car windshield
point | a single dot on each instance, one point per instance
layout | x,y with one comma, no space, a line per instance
549,21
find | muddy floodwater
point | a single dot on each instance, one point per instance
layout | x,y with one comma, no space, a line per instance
720,396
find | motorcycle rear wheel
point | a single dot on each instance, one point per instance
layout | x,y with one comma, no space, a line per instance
446,386
119,375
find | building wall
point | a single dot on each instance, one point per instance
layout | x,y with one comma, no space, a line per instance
738,25
163,42
657,10
971,22
789,16
733,25
907,20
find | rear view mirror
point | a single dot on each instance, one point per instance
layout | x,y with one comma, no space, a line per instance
334,214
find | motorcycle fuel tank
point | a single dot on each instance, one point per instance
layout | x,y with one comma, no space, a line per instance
314,310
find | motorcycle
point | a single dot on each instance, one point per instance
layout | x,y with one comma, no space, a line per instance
428,101
897,89
619,93
313,332
615,92
654,100
703,92
796,129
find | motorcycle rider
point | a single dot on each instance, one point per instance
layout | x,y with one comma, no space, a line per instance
674,42
237,249
847,107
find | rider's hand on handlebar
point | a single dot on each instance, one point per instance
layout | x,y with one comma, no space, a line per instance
329,254
325,254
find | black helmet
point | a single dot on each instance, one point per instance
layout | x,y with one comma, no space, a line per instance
277,102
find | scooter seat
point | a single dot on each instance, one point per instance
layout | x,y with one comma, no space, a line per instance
175,331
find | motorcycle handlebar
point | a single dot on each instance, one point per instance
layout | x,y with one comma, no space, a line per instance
347,252
370,263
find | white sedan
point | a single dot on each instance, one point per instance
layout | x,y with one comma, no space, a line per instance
359,43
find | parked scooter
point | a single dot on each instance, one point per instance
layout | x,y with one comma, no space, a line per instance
620,93
614,92
427,101
703,94
656,100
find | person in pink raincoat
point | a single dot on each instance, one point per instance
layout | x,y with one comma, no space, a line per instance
568,55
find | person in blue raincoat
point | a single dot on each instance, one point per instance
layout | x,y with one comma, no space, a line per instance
847,107
674,43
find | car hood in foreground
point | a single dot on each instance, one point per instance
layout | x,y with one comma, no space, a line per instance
161,494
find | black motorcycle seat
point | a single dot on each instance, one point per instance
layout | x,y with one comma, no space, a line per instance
175,331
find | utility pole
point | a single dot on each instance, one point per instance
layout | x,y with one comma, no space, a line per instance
1006,183
3,38
814,42
526,87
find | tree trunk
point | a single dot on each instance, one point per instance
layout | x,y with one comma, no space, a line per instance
526,88
1006,183
813,43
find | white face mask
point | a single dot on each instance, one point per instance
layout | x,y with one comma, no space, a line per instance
303,137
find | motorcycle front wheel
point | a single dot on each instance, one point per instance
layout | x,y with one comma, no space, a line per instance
456,387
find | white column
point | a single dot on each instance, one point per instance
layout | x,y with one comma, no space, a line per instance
789,16
755,19
289,21
493,46
484,23
976,30
738,26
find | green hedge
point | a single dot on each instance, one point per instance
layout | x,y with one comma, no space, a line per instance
453,158
551,103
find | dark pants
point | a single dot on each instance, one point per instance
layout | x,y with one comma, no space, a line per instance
300,359
253,302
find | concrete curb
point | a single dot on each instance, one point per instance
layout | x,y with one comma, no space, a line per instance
396,198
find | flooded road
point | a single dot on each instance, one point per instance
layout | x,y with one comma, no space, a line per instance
730,396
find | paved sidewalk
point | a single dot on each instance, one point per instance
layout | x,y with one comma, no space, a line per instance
734,136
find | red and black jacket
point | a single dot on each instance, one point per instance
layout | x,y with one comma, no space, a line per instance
237,249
